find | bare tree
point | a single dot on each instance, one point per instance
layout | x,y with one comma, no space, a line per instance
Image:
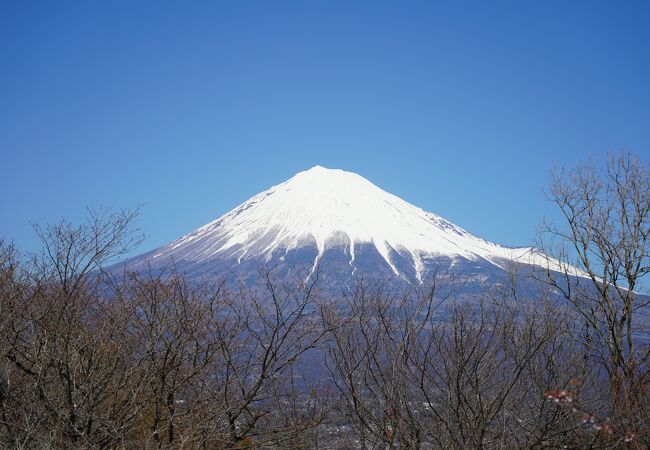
263,339
61,358
604,248
97,360
369,360
412,373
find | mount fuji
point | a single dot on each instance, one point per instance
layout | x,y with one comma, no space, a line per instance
343,225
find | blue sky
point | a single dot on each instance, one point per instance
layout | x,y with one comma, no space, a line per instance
192,107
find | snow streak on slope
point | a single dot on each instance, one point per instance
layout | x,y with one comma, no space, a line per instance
325,208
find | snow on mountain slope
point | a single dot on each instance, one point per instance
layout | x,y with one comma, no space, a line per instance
330,207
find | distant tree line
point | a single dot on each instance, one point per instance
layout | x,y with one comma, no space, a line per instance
93,359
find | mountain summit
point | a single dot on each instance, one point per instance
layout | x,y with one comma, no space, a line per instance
340,222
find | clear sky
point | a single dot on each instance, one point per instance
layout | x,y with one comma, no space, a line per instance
192,107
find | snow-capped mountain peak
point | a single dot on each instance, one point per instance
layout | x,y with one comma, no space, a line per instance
329,208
